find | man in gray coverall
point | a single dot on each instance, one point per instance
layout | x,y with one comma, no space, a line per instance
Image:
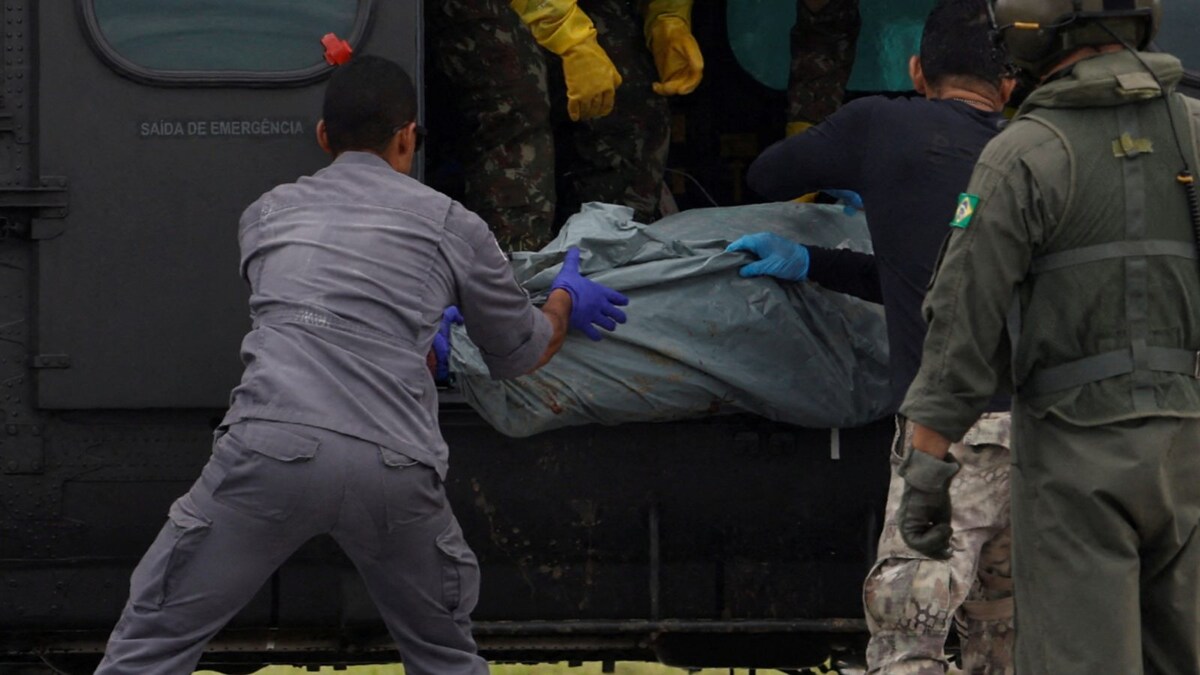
333,429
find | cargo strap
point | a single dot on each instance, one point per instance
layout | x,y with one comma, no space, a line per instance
1111,250
1111,364
1137,270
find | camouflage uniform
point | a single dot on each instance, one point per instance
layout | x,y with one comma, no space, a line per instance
822,57
511,96
911,600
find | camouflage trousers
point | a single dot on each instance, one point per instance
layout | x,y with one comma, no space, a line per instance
527,166
911,601
823,44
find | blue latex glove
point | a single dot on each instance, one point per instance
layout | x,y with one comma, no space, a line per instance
778,257
851,201
441,342
591,303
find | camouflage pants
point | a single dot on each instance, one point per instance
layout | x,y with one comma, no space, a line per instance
912,600
526,165
823,45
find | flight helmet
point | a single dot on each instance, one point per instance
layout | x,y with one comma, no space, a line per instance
1039,33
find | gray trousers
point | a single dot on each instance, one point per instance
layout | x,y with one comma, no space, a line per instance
269,488
1106,556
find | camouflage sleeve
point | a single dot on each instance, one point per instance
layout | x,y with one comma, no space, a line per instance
652,10
983,260
822,43
557,25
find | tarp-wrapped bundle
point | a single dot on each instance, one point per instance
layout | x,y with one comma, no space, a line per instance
700,339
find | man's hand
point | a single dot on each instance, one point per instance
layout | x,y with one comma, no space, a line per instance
592,304
924,515
563,28
592,80
850,200
441,343
676,55
778,257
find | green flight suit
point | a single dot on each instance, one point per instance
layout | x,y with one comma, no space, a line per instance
1074,221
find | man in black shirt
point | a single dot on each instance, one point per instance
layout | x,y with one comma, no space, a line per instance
909,159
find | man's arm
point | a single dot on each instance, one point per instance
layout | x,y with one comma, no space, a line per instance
668,28
966,347
987,256
512,335
846,271
838,270
562,27
827,156
930,442
557,311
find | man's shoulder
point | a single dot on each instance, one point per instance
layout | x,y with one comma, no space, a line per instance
382,184
1025,139
467,226
869,106
917,114
360,185
896,105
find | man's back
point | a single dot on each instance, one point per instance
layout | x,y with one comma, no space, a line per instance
909,159
349,271
1095,232
358,240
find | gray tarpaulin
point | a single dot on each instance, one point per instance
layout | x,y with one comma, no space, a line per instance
700,339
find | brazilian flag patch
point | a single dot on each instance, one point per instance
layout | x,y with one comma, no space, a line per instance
967,204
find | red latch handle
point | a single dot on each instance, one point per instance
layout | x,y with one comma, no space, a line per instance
337,50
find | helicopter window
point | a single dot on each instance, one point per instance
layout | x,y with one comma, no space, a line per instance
221,40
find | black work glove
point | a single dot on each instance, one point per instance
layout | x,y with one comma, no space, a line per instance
924,516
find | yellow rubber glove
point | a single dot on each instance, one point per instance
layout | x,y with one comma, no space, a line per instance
592,81
669,36
563,28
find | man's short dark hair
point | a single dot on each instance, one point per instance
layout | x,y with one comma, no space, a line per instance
366,101
957,42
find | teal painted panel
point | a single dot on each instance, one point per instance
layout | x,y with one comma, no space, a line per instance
891,32
759,31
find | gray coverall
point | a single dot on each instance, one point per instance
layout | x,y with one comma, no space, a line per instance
333,429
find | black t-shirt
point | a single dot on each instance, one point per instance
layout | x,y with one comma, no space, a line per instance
909,159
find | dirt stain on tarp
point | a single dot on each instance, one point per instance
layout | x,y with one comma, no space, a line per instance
550,397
